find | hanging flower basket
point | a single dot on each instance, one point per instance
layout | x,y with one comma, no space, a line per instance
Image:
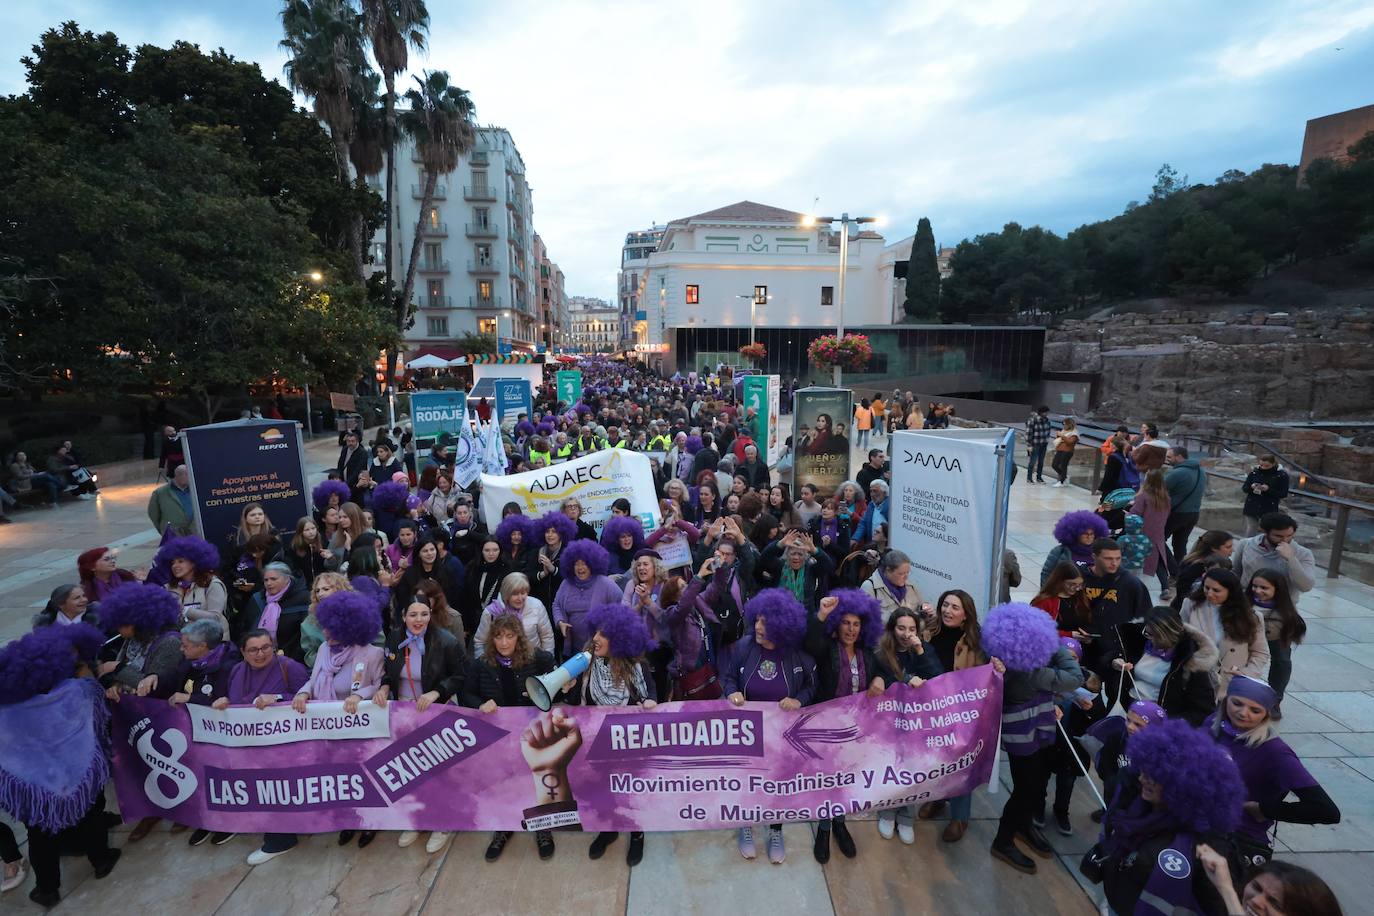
853,351
754,351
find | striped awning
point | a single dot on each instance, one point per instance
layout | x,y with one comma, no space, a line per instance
510,359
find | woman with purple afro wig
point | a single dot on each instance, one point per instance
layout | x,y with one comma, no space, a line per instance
329,493
550,534
1190,792
618,676
523,430
768,664
623,537
1075,532
585,586
347,668
191,563
514,535
1024,646
841,637
54,753
147,617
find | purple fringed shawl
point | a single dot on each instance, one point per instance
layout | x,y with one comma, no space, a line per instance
55,754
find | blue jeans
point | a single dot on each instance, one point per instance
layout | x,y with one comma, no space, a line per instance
1035,463
960,807
863,438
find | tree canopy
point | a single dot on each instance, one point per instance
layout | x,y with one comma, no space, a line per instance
1201,239
165,211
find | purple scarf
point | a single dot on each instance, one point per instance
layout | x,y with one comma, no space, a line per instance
831,529
1169,888
102,589
212,659
1082,553
271,614
55,754
329,661
1161,654
897,592
844,683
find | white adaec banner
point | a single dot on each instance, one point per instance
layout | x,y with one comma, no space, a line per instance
245,726
596,480
948,508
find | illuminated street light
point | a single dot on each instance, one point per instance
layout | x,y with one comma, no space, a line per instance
844,219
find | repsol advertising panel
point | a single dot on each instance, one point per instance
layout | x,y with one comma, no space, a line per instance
245,461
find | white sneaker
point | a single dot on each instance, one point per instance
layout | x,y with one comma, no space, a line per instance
437,841
407,837
1058,483
262,855
886,822
16,879
85,496
906,833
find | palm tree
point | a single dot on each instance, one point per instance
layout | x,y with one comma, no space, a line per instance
440,120
393,26
366,150
325,41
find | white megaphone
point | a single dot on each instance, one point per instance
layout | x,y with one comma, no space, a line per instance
544,688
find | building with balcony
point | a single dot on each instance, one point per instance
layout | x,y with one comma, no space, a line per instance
633,254
552,299
477,272
594,325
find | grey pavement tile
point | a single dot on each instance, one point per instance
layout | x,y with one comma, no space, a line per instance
1360,744
1353,710
1323,668
1299,717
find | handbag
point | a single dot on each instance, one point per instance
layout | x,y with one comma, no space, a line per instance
1253,854
1093,864
701,684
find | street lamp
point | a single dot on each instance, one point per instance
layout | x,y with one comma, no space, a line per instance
844,219
756,299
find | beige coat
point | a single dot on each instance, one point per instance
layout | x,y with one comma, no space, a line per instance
875,587
1252,659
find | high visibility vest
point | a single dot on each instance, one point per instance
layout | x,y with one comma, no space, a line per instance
564,451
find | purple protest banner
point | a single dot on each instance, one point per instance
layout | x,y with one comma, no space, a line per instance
676,767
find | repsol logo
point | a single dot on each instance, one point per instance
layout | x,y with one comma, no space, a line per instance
268,448
939,462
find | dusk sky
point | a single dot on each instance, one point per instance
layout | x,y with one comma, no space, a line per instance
973,114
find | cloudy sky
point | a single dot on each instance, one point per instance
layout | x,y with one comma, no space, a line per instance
971,113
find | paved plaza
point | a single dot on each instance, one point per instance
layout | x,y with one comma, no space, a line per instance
1328,719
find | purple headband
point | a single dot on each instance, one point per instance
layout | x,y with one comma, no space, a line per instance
1253,689
1148,710
1073,645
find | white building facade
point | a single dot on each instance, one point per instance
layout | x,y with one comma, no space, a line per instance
594,325
477,271
752,262
633,255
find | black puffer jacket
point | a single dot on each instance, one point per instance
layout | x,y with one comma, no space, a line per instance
443,669
504,685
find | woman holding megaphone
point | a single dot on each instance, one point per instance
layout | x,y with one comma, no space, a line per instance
618,676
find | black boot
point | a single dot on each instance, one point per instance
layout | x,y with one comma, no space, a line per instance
822,847
544,840
1007,852
843,839
366,837
635,854
498,843
598,847
1033,838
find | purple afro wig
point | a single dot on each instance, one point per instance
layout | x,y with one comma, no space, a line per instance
320,495
566,527
694,444
783,616
390,497
623,628
147,608
546,428
39,661
1023,637
1201,784
366,585
524,428
589,552
622,524
350,618
863,606
1073,524
509,524
413,502
582,410
203,555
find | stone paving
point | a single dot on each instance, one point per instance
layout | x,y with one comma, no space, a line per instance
1328,718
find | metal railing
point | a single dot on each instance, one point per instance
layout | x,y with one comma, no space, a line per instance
484,267
480,230
417,191
1085,470
433,229
478,193
438,302
434,267
490,302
